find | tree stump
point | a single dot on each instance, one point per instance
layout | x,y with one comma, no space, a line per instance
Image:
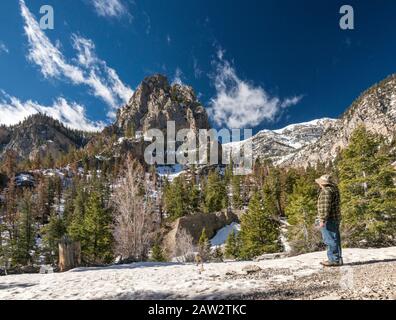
69,254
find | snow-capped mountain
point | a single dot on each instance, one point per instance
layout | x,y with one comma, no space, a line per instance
280,145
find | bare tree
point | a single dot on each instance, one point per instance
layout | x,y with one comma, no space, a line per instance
184,247
134,213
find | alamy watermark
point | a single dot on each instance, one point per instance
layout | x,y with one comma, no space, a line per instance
347,21
200,147
47,20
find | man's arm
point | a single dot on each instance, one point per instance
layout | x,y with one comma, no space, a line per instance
324,205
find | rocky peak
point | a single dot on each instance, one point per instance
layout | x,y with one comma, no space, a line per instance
156,101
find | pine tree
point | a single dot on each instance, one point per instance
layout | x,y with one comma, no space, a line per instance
69,195
53,233
176,198
75,227
96,243
301,212
368,191
275,190
25,241
204,246
291,178
181,198
233,246
157,254
259,229
215,194
10,208
5,245
229,171
237,201
43,202
194,195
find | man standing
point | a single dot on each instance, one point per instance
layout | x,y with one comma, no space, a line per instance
329,219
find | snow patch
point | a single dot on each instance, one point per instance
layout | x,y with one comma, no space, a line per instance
221,236
170,172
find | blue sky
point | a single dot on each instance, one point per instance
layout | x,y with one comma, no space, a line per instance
254,64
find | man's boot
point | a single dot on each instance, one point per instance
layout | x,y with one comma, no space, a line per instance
331,264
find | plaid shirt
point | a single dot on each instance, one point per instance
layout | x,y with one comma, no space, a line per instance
329,204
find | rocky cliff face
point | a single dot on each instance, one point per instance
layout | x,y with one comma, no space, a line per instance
280,145
40,135
375,108
156,101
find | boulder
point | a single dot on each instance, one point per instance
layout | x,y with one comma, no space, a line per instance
194,224
249,269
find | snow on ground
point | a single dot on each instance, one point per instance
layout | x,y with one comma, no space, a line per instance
170,172
221,236
24,178
283,237
172,280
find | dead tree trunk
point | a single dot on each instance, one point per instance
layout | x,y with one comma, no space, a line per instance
69,254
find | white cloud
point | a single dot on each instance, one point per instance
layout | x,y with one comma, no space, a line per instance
87,69
178,77
3,48
238,103
110,8
288,102
197,71
148,22
70,114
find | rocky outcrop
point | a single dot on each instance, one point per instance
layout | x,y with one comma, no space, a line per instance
194,224
153,104
156,101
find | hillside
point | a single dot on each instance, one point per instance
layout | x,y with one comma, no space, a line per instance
38,136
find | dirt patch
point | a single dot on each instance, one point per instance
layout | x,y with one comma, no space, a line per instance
361,282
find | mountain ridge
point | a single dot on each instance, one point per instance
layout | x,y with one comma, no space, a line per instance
280,144
40,135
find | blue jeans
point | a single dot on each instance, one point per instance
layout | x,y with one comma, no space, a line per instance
331,237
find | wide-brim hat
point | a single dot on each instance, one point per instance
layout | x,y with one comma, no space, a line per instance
325,180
